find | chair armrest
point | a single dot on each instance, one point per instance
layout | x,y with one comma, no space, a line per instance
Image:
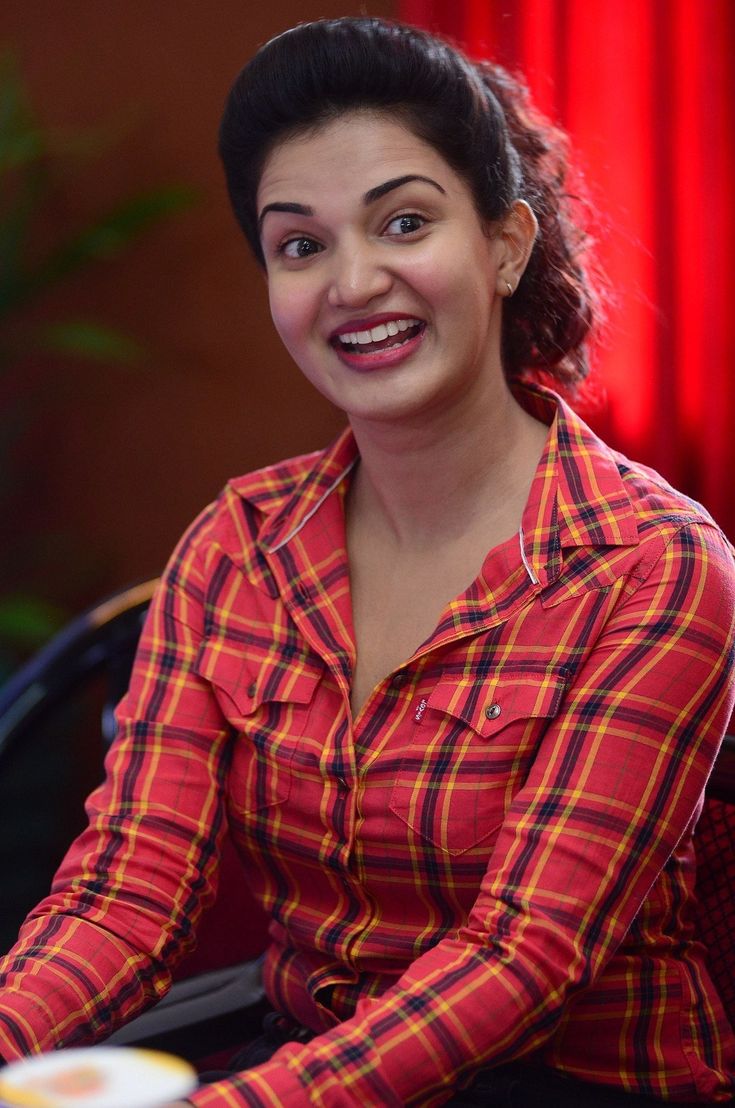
202,1015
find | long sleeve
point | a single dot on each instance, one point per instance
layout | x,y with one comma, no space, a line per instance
495,857
614,787
125,901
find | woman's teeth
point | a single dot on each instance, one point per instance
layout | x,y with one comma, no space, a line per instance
378,334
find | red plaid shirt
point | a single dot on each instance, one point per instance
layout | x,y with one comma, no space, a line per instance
493,860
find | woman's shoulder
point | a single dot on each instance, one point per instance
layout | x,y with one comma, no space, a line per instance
656,522
268,488
235,519
599,482
656,502
651,497
678,539
257,493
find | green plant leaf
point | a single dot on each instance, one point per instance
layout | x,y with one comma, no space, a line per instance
89,340
14,228
22,173
108,237
28,620
103,240
21,139
20,149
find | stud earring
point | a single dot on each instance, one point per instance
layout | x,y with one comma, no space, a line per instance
509,288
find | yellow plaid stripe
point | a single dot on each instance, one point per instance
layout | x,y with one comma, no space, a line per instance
495,859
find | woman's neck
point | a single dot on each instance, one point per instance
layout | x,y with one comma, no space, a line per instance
446,477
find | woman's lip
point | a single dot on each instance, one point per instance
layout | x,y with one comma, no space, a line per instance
372,321
380,359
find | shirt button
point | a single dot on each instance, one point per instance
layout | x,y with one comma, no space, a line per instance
252,687
493,711
398,680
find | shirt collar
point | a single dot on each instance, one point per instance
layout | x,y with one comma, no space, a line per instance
329,469
577,497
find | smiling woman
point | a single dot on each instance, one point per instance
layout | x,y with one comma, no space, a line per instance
410,251
455,683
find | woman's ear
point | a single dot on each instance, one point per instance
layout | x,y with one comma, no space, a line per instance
517,235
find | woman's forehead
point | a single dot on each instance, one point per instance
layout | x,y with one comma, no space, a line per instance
355,150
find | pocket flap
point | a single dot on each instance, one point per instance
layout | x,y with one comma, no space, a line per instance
251,679
489,706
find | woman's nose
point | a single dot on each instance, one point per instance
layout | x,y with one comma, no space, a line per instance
357,277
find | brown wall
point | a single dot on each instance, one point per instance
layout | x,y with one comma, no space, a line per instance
117,461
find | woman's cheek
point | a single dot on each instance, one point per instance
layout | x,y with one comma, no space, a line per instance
283,321
291,311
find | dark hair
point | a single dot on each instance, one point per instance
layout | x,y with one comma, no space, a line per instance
478,117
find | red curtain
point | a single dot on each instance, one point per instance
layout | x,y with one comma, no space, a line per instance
646,89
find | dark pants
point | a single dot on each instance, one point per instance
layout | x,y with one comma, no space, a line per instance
523,1085
518,1085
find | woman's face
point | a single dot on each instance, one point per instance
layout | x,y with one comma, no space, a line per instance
383,284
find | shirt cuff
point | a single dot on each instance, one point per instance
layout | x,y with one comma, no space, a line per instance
271,1085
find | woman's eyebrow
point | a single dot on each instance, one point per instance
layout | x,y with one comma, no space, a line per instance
286,206
369,198
395,183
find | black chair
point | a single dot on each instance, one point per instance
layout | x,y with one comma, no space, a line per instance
52,746
100,641
50,713
221,1005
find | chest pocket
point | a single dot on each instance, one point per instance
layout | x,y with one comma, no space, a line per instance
472,749
267,701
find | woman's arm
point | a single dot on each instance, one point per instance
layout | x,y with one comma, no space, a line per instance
126,898
616,783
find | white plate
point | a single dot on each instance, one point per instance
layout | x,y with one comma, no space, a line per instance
96,1077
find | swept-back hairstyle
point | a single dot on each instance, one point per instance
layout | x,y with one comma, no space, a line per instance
475,115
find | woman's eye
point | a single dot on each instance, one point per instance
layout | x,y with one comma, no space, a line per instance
299,248
405,224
